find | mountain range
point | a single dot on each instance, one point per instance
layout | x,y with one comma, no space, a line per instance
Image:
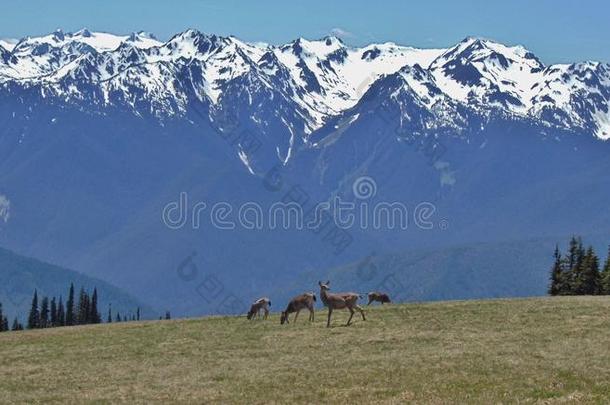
100,132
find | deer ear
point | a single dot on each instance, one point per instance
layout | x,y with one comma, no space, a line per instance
320,283
327,282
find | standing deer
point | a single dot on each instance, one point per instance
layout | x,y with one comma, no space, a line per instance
339,301
378,296
298,303
255,310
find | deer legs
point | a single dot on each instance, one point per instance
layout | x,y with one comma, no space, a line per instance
361,311
351,315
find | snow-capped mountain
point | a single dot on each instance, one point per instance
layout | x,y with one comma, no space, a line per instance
320,79
486,74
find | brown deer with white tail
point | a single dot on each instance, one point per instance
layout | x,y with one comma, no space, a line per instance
258,305
339,301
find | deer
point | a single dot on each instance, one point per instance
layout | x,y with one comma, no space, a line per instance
339,301
255,310
379,297
298,303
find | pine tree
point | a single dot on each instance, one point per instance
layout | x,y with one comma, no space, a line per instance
118,317
61,313
4,323
44,313
591,276
138,314
84,311
53,313
586,276
167,315
109,319
1,317
17,325
604,282
94,316
573,266
34,316
557,276
70,315
572,255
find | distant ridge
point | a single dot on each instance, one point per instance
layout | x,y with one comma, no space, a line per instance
20,275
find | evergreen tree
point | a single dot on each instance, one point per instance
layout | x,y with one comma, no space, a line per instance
84,310
167,315
44,313
34,316
109,319
572,256
573,266
1,317
17,325
138,314
118,317
70,314
585,280
53,312
557,277
604,282
4,323
61,313
94,316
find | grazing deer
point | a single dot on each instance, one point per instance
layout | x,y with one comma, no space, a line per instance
379,297
339,301
255,310
297,304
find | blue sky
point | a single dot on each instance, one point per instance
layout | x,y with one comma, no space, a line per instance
556,31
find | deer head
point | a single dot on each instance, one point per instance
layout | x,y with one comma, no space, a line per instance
284,318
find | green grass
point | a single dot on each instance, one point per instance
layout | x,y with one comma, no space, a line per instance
532,351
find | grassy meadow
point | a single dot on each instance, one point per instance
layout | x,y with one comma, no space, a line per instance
542,350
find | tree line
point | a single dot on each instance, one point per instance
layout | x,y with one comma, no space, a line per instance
577,272
52,312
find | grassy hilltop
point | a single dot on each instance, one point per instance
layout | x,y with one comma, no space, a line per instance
546,350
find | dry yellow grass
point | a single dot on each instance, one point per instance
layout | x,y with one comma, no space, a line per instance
533,350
